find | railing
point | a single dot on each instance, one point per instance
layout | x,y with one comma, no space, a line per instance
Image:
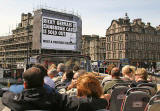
7,81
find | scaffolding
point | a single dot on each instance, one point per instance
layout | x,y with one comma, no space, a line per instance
17,50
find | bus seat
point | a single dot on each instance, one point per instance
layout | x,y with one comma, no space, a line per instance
154,104
118,93
136,99
151,86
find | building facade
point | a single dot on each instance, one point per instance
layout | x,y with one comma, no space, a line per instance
94,47
45,37
134,42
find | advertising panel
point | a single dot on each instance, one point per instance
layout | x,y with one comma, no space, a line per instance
58,34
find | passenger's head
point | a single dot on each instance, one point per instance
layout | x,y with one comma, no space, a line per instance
115,72
75,77
75,68
33,78
69,74
78,74
19,80
128,71
141,74
61,67
89,86
52,72
110,67
42,68
53,66
133,69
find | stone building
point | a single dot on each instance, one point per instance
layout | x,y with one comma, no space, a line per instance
134,42
46,36
94,47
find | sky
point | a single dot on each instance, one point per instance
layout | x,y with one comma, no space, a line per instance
96,15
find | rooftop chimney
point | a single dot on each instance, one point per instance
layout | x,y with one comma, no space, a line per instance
148,24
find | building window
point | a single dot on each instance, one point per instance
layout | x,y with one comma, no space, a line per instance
126,36
108,46
115,46
114,55
112,38
120,55
108,55
120,37
113,30
109,39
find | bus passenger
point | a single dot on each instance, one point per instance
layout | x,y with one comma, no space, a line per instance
128,73
89,86
115,73
61,69
35,97
141,76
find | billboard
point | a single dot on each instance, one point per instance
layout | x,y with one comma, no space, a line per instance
58,34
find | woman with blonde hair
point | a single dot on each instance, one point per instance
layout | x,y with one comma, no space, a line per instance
128,73
52,66
141,76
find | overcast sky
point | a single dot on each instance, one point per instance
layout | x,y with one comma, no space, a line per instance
96,14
